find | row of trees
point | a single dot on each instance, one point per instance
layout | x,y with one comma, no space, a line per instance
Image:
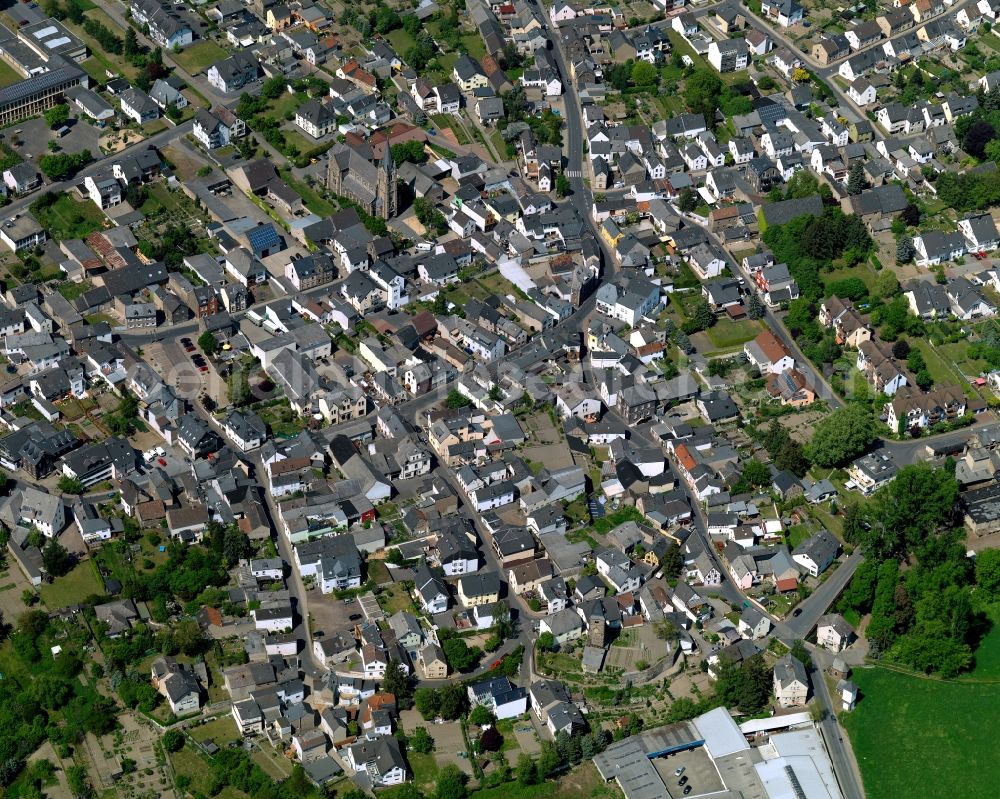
923,617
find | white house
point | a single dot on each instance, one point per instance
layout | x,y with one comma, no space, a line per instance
861,91
791,683
769,354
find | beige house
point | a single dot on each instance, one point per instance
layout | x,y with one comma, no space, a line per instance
791,683
528,576
431,662
834,633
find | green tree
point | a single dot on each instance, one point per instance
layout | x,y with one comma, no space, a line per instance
421,741
460,655
756,473
480,716
644,74
701,313
545,642
503,627
886,284
905,250
57,115
56,558
687,200
801,654
755,308
988,572
856,181
903,513
453,700
412,151
208,343
427,702
842,436
562,185
456,400
525,772
701,94
173,740
131,45
70,485
397,683
273,88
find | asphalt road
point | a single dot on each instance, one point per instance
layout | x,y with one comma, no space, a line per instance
803,364
843,762
156,140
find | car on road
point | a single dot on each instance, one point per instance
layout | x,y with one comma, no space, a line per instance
797,612
354,616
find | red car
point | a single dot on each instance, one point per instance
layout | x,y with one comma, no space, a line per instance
161,461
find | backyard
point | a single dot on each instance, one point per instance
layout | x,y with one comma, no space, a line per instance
72,588
67,218
199,56
909,730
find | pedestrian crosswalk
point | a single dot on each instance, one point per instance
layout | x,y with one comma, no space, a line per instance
574,173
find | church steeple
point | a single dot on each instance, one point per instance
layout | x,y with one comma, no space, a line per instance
387,184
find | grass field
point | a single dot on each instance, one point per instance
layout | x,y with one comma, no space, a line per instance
72,588
862,271
904,722
199,56
189,763
580,783
944,373
8,75
115,63
312,199
221,730
67,218
394,598
401,41
726,333
958,354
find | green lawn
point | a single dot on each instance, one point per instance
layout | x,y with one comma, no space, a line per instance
796,534
67,218
395,598
909,732
72,588
424,767
199,56
863,271
8,75
401,41
726,333
191,764
473,43
115,63
449,122
944,374
958,354
221,730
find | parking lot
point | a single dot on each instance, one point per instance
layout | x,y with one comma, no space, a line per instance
31,138
329,614
701,774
